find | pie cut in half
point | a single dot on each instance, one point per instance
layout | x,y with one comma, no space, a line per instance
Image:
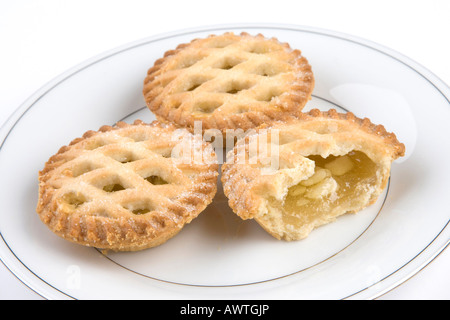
127,187
295,176
228,81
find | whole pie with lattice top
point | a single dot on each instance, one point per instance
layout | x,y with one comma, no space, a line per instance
127,187
228,81
297,175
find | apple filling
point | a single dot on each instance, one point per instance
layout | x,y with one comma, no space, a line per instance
338,185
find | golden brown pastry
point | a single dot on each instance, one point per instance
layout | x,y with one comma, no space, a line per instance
228,81
308,171
127,187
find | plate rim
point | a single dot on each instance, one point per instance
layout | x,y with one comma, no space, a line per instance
22,272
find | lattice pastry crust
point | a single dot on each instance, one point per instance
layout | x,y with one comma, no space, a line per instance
127,187
329,164
228,81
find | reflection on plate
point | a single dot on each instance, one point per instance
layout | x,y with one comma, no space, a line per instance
218,255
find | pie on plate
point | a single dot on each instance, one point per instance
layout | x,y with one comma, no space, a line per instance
228,81
127,187
297,175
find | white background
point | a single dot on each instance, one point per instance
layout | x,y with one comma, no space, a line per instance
41,39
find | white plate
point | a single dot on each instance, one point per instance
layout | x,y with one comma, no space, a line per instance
219,256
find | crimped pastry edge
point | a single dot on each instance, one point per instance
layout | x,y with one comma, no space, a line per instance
122,234
389,138
246,120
